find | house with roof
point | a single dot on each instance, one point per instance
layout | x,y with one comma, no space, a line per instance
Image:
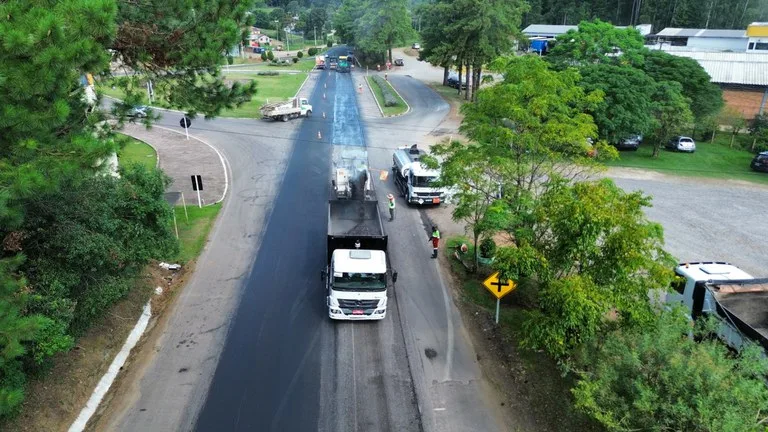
684,39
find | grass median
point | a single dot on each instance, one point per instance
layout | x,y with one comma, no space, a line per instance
272,88
135,151
389,111
711,159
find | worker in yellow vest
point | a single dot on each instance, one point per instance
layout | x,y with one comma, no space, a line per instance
391,205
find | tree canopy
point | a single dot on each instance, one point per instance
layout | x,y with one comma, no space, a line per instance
597,42
374,27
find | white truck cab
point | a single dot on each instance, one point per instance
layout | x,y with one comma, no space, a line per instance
358,285
413,179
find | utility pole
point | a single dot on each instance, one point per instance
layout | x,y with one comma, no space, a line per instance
314,29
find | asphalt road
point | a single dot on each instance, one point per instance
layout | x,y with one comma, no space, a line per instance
285,366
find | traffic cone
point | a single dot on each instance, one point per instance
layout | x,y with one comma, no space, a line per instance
323,114
319,136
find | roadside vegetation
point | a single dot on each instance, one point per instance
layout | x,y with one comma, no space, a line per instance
389,101
581,250
270,88
75,240
133,151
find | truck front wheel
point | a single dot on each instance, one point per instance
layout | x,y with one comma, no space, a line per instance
284,118
309,113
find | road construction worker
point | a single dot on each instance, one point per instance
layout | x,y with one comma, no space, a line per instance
435,239
391,205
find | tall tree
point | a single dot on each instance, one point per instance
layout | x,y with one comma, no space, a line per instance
706,97
626,108
597,42
671,113
385,24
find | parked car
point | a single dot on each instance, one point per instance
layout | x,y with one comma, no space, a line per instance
258,50
682,143
453,81
631,142
139,111
760,162
398,62
416,46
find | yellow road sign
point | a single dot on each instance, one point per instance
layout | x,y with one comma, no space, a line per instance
497,287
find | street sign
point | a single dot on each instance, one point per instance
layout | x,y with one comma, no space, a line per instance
197,185
185,122
499,289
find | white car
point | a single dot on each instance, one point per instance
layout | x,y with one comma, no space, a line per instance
416,46
682,143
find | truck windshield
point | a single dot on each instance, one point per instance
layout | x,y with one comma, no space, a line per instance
360,281
423,181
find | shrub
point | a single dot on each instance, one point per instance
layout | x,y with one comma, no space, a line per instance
390,98
487,248
230,60
329,43
274,61
270,55
295,59
312,51
299,54
268,73
264,56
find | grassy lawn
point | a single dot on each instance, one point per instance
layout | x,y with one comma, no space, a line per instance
295,42
194,233
135,151
272,88
450,94
304,64
713,160
400,108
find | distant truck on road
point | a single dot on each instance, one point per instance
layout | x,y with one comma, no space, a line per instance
412,179
319,62
727,293
332,62
286,110
343,65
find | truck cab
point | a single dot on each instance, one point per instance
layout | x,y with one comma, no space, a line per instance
413,179
725,292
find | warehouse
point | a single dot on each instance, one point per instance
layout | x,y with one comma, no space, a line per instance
742,76
701,40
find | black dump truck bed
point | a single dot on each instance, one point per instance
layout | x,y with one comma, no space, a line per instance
350,221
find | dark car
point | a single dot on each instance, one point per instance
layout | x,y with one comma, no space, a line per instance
760,162
453,81
631,142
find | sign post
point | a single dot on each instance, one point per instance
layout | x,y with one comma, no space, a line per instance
184,202
197,185
499,289
185,122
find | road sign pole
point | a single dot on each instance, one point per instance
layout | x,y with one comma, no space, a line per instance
186,130
184,202
175,226
199,203
498,301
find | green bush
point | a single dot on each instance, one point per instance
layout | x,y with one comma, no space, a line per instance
270,55
487,248
329,43
268,73
299,54
264,56
230,60
390,98
312,51
295,59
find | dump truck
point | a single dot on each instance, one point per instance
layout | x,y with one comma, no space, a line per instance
413,180
332,62
727,293
319,62
286,110
351,177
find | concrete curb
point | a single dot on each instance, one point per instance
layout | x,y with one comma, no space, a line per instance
114,368
404,101
368,83
224,162
157,153
302,85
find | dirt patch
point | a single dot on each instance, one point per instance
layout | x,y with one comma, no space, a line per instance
532,394
53,401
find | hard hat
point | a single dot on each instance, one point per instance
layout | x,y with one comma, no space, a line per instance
390,196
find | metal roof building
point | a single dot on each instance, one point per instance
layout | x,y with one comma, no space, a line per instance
551,31
731,68
703,39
